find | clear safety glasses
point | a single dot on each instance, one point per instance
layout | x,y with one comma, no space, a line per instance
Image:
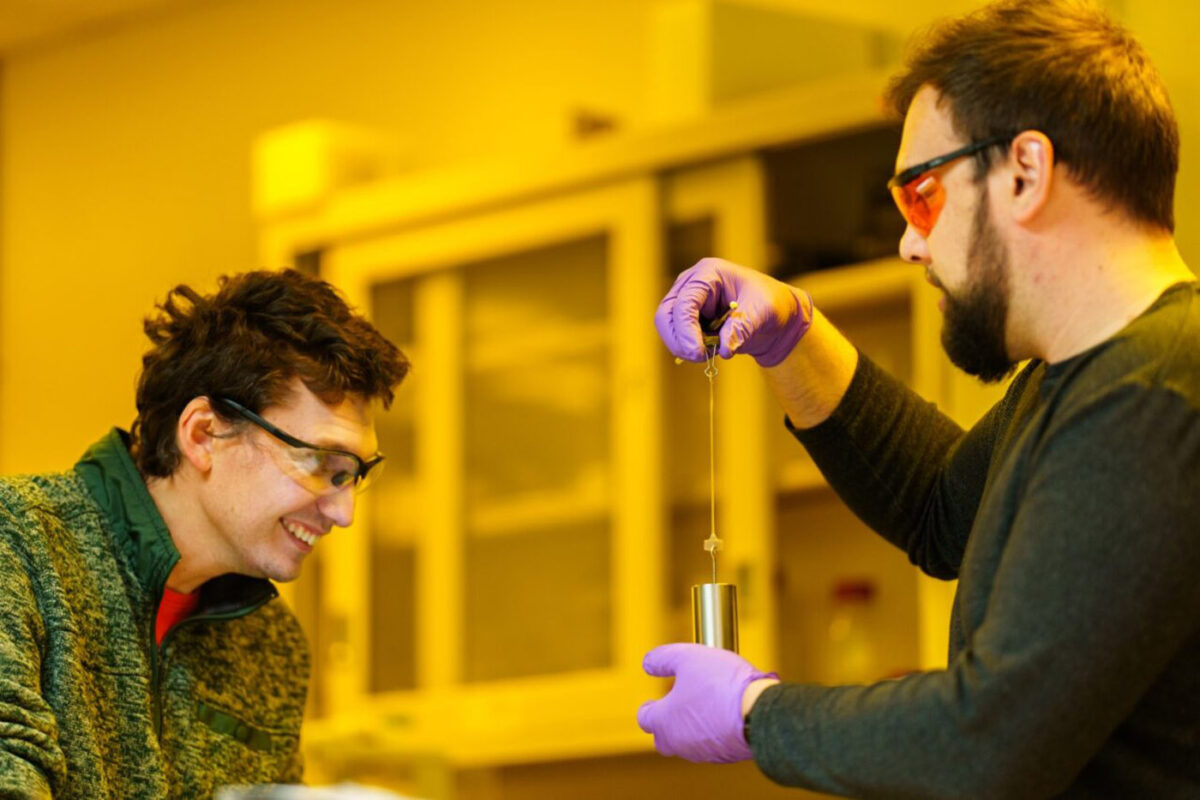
321,470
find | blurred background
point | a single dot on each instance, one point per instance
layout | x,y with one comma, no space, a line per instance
506,188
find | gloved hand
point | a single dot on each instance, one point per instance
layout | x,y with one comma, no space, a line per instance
700,719
770,318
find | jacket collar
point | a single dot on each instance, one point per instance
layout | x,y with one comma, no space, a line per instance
139,531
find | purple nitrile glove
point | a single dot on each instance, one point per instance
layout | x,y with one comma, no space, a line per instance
700,719
770,317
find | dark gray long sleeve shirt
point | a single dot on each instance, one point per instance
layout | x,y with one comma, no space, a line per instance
1071,516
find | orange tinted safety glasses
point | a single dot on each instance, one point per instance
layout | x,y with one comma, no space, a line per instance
920,195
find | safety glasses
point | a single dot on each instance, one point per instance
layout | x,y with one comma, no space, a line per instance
321,470
919,194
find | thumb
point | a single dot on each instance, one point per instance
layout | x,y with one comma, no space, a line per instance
734,333
662,661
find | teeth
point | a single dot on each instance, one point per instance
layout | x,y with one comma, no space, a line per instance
301,534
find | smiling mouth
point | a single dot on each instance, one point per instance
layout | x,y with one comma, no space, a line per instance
300,533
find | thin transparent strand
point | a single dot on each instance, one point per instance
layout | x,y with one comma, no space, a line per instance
710,371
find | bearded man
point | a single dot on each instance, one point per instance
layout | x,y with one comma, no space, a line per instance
1036,173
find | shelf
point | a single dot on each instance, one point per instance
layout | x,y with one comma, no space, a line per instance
821,542
502,722
586,502
860,285
538,343
362,213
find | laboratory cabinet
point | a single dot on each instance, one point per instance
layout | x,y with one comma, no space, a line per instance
479,630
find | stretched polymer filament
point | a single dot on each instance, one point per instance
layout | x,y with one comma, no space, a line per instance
712,544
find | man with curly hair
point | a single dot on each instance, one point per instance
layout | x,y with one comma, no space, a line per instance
143,652
1036,175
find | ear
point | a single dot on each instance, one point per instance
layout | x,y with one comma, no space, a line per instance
1031,159
194,433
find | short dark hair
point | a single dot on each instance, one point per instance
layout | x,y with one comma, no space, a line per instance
1066,69
249,341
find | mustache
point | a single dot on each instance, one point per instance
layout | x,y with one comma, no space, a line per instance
929,276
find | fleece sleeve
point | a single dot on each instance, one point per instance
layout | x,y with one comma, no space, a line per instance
30,758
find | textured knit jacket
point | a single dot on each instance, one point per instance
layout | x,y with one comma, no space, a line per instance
90,707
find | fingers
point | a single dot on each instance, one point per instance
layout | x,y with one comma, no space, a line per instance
647,716
661,663
681,337
664,321
697,293
694,297
680,280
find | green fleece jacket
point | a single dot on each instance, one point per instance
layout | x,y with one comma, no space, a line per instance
90,707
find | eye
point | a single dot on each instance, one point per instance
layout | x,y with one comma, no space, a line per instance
326,464
337,469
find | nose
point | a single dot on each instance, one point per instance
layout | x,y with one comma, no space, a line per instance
914,248
339,506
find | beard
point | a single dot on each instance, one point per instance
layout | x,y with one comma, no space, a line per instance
973,331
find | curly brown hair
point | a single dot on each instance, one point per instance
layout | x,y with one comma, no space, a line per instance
1066,69
249,341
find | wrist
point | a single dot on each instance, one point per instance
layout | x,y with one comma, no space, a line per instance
811,382
789,335
753,690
